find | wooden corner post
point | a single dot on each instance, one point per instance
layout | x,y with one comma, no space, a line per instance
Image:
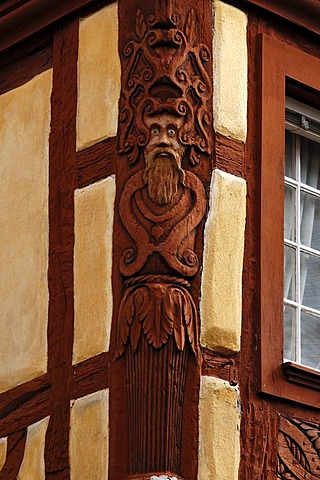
163,168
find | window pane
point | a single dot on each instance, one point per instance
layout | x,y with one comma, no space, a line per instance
289,333
310,161
289,273
310,220
290,167
310,340
310,280
289,213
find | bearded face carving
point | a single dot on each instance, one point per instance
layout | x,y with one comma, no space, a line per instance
165,120
163,155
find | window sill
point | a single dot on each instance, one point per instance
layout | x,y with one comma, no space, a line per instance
306,376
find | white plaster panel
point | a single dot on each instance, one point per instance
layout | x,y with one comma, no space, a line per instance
221,283
33,466
230,71
98,77
94,210
89,430
24,136
219,430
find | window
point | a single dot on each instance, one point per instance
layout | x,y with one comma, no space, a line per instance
290,149
302,236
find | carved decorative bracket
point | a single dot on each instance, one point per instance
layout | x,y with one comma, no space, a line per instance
165,123
165,70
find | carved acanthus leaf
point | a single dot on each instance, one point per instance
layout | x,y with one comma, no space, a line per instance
141,26
298,450
158,310
190,27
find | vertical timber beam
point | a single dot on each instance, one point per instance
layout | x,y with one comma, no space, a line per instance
163,168
61,241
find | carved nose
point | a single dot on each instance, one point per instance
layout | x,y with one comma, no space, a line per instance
163,144
164,140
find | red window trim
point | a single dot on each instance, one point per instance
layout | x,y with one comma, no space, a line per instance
279,62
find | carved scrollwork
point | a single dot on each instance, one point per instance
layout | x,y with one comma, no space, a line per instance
298,450
162,53
191,208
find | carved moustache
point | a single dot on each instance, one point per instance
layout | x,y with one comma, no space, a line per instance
162,174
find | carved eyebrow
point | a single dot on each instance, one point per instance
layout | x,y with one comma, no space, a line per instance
155,125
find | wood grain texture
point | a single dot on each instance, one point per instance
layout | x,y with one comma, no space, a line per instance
34,15
298,450
260,413
165,40
62,181
96,162
15,451
20,65
304,13
91,375
215,365
228,155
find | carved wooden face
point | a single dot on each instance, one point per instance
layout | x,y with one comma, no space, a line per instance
163,155
163,134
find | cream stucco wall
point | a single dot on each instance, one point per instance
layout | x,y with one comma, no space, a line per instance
33,466
221,283
98,77
3,451
24,133
230,71
94,209
219,430
89,430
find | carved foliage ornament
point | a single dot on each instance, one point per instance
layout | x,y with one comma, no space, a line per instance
165,69
298,450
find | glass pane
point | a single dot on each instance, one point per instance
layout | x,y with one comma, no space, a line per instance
289,213
289,352
289,273
310,220
310,162
290,167
310,280
310,340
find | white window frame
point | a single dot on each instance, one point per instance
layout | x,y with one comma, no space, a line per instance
307,113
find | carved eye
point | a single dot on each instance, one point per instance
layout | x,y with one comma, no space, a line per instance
154,131
171,132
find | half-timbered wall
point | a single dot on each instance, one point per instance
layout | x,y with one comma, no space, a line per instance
81,397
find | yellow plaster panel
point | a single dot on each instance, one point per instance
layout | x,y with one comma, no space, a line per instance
89,432
219,430
24,132
99,77
230,71
3,451
94,208
221,285
33,466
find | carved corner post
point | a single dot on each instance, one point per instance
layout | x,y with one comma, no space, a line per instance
163,168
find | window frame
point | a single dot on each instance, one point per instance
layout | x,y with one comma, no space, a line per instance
280,63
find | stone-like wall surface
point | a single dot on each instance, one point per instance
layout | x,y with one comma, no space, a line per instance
230,71
24,134
219,449
89,428
98,77
94,208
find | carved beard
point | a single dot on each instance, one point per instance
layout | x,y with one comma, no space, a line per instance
162,174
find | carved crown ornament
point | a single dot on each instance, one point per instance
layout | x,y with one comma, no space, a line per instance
165,70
